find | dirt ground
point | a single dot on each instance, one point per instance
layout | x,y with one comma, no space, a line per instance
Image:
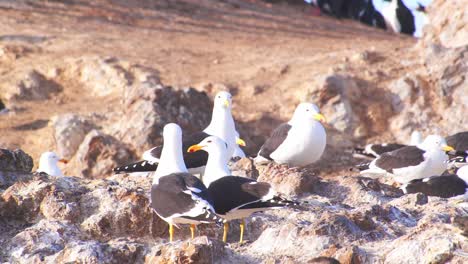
268,54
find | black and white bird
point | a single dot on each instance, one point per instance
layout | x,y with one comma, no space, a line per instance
177,196
372,151
370,16
48,163
221,125
459,142
412,162
234,197
299,142
399,17
442,186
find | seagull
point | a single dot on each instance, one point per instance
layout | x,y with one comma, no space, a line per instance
399,17
48,164
372,151
177,196
445,186
412,162
299,142
221,125
234,197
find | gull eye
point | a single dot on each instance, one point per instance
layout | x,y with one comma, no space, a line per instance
307,110
209,141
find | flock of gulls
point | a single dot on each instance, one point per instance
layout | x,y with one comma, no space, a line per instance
393,15
192,183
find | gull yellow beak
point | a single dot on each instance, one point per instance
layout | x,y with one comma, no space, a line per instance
226,103
447,148
63,161
194,148
240,142
320,117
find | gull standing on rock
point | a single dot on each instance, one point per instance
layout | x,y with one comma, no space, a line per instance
412,162
442,186
299,142
48,164
234,197
221,125
177,196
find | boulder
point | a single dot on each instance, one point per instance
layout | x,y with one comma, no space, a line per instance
200,250
286,180
15,161
98,154
448,24
110,76
27,85
70,130
149,107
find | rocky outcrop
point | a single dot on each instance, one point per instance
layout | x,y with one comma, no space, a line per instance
448,24
149,107
98,154
70,130
27,85
15,161
63,219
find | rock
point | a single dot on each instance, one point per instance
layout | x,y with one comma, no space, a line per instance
323,260
115,251
200,250
98,154
16,161
149,108
453,34
110,76
41,241
70,130
243,167
28,85
434,245
291,240
285,180
115,210
352,106
353,255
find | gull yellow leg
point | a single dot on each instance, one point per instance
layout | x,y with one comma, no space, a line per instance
225,231
192,230
242,226
171,232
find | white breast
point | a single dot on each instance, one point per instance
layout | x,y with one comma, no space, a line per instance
303,145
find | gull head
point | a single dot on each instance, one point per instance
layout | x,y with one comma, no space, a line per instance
211,144
307,112
433,142
50,157
223,100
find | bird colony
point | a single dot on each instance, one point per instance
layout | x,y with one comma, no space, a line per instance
192,184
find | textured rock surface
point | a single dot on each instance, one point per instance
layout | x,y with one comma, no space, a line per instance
449,23
27,85
15,160
70,130
149,107
98,154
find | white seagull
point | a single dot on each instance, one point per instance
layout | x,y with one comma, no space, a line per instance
299,142
48,164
